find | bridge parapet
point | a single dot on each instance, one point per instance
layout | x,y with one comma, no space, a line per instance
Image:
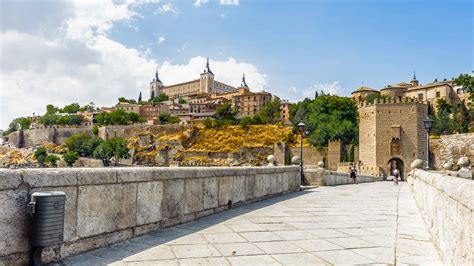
447,205
106,205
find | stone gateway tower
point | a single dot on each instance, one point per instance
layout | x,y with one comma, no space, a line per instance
391,134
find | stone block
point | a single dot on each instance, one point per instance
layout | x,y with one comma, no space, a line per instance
70,209
9,179
238,189
225,190
279,182
149,200
105,208
173,195
250,188
94,176
45,177
194,195
129,174
13,222
211,193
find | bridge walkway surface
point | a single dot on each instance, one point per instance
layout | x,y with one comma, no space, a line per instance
351,224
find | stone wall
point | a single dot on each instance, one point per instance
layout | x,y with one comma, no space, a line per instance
447,205
37,137
106,205
311,155
451,147
134,130
322,177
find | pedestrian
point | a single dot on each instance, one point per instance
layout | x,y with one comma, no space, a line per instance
395,174
353,174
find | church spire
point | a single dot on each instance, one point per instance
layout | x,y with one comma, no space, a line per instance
414,75
244,84
208,69
156,75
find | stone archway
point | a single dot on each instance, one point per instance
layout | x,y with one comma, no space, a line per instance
398,163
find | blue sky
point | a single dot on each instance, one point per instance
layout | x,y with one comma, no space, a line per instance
302,43
60,52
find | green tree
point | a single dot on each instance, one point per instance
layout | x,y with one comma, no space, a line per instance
208,123
461,118
327,117
70,157
442,122
182,101
135,118
271,111
40,155
51,109
466,81
90,107
168,119
83,144
71,108
112,148
160,98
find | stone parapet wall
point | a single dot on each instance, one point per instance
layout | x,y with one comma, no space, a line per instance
322,177
447,205
106,205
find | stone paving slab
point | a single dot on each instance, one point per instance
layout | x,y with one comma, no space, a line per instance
370,223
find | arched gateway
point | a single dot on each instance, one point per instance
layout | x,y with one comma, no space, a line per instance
396,163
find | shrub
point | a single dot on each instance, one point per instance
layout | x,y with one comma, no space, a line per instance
83,144
95,130
70,158
112,148
208,123
40,155
52,160
168,119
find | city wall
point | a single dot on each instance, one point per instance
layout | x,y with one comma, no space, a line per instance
107,205
446,204
451,147
37,137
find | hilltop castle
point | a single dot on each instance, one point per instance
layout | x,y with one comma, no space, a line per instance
205,84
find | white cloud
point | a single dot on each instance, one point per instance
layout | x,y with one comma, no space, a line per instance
168,8
70,58
333,88
198,3
229,71
161,39
229,2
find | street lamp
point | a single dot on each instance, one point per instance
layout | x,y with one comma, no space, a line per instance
301,129
428,122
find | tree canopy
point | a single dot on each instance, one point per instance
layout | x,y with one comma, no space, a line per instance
271,111
327,117
118,117
160,98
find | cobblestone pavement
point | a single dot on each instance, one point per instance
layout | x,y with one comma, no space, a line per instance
351,224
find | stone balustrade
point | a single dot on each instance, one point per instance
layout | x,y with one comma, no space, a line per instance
106,205
447,205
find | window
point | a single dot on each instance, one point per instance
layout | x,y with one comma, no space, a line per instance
438,94
420,96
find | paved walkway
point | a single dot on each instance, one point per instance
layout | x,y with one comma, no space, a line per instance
351,224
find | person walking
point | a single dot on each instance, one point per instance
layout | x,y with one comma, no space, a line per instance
396,175
353,174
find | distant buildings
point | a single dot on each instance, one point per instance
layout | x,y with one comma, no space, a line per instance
428,93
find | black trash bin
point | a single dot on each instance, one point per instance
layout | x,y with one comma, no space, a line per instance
46,210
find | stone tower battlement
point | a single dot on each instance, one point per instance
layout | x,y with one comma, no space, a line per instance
390,100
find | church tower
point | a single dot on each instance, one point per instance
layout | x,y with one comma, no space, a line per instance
414,82
155,86
207,80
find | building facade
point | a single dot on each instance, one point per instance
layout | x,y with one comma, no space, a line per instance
391,134
427,93
205,84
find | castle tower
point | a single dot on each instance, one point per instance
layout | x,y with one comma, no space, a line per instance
155,86
207,80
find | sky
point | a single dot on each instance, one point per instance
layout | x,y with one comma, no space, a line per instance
60,52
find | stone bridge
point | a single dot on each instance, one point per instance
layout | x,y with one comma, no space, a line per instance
352,224
428,220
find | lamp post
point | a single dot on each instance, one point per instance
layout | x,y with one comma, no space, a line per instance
428,123
301,129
